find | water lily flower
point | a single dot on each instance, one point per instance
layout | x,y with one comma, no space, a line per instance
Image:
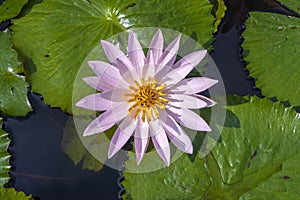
147,96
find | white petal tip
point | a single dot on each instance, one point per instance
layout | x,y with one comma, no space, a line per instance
138,161
85,79
105,43
177,39
211,82
204,128
167,162
201,54
111,152
91,62
79,103
88,133
189,150
179,36
131,33
158,31
158,36
110,155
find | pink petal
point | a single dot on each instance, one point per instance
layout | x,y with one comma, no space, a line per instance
136,53
193,85
121,136
107,119
189,119
186,101
94,82
193,59
141,139
207,100
183,67
109,76
177,136
156,47
149,69
94,102
160,141
169,55
116,57
115,95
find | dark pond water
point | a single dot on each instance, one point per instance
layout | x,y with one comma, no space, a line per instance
40,166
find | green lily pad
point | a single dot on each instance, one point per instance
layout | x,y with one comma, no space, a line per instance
219,12
11,8
4,156
58,35
271,50
12,194
257,156
188,17
182,180
258,159
13,87
74,148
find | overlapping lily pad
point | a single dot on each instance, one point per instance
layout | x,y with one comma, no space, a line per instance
57,35
219,12
4,156
13,87
258,159
187,17
11,8
12,194
271,50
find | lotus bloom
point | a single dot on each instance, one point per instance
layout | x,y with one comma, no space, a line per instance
147,96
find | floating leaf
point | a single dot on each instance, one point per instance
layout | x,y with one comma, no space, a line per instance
187,17
272,42
182,180
11,8
4,156
12,194
219,12
57,35
282,185
255,157
13,87
258,159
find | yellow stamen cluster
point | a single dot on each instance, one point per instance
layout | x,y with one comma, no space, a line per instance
147,96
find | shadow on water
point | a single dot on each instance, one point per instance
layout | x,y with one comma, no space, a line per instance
41,168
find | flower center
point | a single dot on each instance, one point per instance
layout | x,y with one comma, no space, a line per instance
147,97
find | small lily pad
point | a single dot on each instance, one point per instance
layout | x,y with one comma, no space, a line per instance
12,194
271,50
4,156
13,90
